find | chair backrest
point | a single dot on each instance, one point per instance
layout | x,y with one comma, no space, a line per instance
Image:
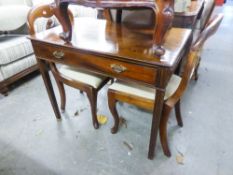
45,11
192,61
210,28
36,12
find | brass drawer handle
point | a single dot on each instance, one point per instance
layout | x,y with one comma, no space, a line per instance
58,54
118,68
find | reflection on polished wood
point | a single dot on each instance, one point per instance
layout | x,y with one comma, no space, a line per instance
117,51
163,10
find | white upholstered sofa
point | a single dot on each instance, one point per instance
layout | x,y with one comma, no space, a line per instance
16,53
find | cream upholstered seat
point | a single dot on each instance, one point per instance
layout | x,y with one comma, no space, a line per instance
146,92
82,76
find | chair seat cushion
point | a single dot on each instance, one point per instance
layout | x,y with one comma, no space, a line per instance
13,16
14,48
82,76
146,92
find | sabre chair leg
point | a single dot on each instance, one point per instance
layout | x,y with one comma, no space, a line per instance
178,114
62,94
163,130
92,96
196,70
60,85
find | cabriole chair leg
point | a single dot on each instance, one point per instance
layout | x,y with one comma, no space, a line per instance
92,96
112,106
178,114
163,130
62,94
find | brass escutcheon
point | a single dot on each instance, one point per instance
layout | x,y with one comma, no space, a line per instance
118,68
58,54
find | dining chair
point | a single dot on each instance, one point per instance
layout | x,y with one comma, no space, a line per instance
143,96
80,79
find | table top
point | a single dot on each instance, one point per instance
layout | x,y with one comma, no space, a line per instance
118,41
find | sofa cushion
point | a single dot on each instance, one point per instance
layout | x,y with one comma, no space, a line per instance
13,16
17,66
14,48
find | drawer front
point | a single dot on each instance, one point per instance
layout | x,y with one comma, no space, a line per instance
107,66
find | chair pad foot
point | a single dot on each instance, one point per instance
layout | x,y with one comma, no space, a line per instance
96,125
114,130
